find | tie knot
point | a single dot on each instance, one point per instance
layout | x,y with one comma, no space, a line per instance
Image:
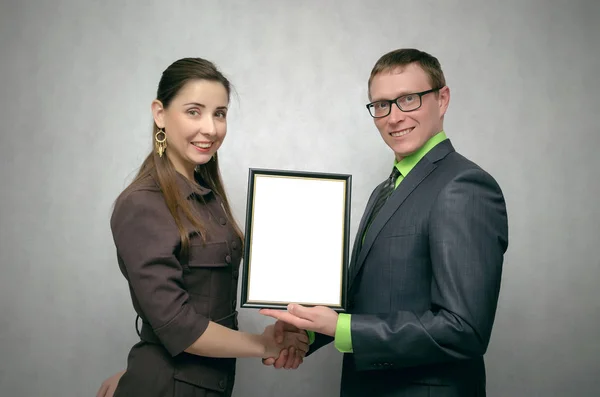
395,174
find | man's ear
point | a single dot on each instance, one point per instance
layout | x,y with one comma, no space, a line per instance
443,100
158,112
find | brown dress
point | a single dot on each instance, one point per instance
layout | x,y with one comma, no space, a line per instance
175,298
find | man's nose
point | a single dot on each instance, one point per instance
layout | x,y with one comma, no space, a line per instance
396,115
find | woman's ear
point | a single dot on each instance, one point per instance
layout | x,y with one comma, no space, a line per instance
158,112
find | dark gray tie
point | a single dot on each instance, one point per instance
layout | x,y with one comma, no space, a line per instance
382,197
384,193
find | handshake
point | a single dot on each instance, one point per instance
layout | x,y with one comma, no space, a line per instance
289,340
286,345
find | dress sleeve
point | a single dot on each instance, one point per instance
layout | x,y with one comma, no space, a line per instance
146,238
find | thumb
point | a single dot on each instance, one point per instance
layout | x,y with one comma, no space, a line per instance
300,311
268,361
278,331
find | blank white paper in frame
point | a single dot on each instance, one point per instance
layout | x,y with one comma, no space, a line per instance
297,248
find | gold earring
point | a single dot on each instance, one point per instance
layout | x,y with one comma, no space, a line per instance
160,144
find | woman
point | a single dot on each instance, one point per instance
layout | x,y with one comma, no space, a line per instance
179,249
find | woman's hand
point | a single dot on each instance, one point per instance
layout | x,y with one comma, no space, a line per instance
288,358
108,387
294,342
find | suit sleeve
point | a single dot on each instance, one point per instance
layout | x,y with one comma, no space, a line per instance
320,341
146,238
468,236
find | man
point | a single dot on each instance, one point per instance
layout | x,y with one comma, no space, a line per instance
426,265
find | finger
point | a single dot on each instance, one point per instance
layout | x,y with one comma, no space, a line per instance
297,362
102,390
278,313
303,347
269,312
275,313
290,362
111,392
282,359
302,344
303,337
288,318
290,327
291,358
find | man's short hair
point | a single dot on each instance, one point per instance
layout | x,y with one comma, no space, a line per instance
400,58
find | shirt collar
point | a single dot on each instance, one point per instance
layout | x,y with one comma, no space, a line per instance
189,188
186,187
409,162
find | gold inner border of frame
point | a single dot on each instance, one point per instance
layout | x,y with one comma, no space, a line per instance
339,304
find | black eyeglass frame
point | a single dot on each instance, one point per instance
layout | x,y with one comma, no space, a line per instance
390,101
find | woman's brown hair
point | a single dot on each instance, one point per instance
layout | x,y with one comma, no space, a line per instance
172,81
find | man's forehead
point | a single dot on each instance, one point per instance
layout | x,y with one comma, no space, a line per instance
398,81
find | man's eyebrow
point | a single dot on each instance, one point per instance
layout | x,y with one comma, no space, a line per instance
397,95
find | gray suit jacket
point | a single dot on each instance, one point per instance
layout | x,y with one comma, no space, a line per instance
424,286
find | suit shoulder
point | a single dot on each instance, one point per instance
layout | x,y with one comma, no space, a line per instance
457,170
460,162
458,165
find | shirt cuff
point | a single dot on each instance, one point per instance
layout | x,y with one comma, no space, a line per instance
311,337
343,336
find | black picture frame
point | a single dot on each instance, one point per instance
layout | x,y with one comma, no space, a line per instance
287,257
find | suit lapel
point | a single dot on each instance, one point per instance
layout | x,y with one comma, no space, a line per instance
361,228
406,187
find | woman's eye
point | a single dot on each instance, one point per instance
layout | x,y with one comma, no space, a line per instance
193,112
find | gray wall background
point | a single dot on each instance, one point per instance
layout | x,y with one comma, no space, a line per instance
77,79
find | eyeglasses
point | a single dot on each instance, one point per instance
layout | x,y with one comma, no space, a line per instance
406,103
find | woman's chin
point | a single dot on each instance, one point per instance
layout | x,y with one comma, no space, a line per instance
200,158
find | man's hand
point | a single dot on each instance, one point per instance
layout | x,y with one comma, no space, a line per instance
288,358
319,319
